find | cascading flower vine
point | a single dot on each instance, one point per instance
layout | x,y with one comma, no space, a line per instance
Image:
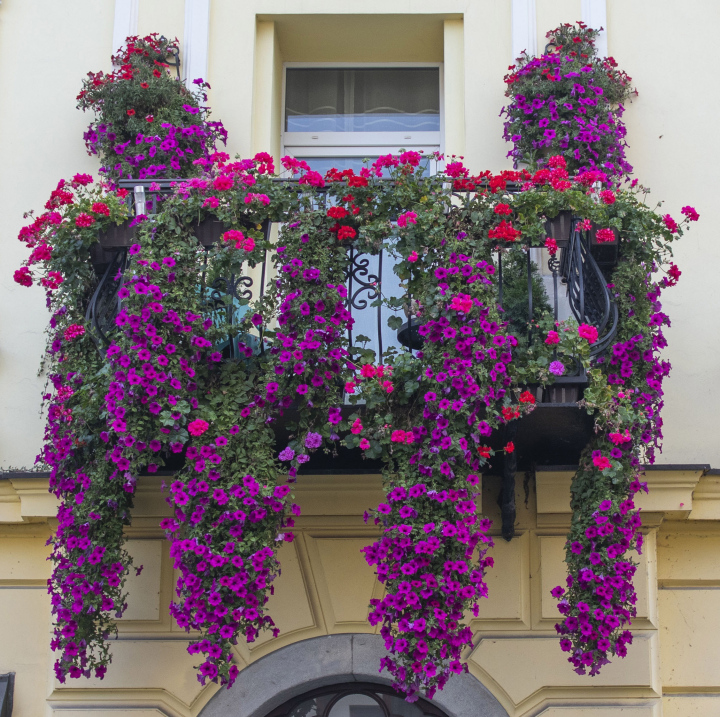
164,392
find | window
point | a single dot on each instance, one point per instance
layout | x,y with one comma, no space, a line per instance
338,116
355,700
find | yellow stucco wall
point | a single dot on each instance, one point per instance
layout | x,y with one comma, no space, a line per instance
674,667
325,588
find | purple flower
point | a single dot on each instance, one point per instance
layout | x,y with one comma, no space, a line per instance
313,440
287,454
557,368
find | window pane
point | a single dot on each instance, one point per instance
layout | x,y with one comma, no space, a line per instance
362,100
323,164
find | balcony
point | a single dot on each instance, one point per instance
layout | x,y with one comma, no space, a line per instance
571,284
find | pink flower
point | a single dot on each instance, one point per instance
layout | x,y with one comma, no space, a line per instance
262,198
223,183
211,202
551,246
198,427
608,197
73,331
398,436
462,302
690,213
585,225
601,462
241,241
413,257
356,427
364,444
588,332
407,218
553,337
670,223
604,235
23,277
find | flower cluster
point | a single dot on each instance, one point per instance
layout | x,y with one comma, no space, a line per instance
568,101
148,124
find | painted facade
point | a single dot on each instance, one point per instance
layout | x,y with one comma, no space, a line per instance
673,668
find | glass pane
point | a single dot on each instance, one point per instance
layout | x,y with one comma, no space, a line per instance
323,164
362,100
314,707
398,707
356,706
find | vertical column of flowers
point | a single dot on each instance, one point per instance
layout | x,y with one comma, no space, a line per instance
444,403
148,124
598,603
568,101
89,563
309,351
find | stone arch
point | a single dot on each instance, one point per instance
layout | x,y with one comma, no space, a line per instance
329,660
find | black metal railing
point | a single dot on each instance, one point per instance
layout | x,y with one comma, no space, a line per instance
575,285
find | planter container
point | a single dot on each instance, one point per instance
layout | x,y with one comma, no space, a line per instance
209,231
595,242
118,236
559,228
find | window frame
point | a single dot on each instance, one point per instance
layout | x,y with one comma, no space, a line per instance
361,144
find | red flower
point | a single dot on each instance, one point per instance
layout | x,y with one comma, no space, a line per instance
101,208
337,212
504,230
608,197
484,451
503,209
551,246
130,113
157,73
84,220
149,118
144,85
510,447
527,397
346,233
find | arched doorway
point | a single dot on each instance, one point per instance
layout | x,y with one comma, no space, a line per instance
355,699
338,665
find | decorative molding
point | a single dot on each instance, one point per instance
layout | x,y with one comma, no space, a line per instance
670,495
524,28
594,14
197,40
126,22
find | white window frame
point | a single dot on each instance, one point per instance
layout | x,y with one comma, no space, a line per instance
361,144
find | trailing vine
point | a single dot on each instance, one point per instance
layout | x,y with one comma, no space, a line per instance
164,392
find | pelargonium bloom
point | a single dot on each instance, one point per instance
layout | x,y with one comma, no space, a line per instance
198,427
588,332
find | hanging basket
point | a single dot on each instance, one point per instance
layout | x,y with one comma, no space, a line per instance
117,236
559,228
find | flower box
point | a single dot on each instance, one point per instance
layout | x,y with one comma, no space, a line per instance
593,237
117,236
559,228
209,231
